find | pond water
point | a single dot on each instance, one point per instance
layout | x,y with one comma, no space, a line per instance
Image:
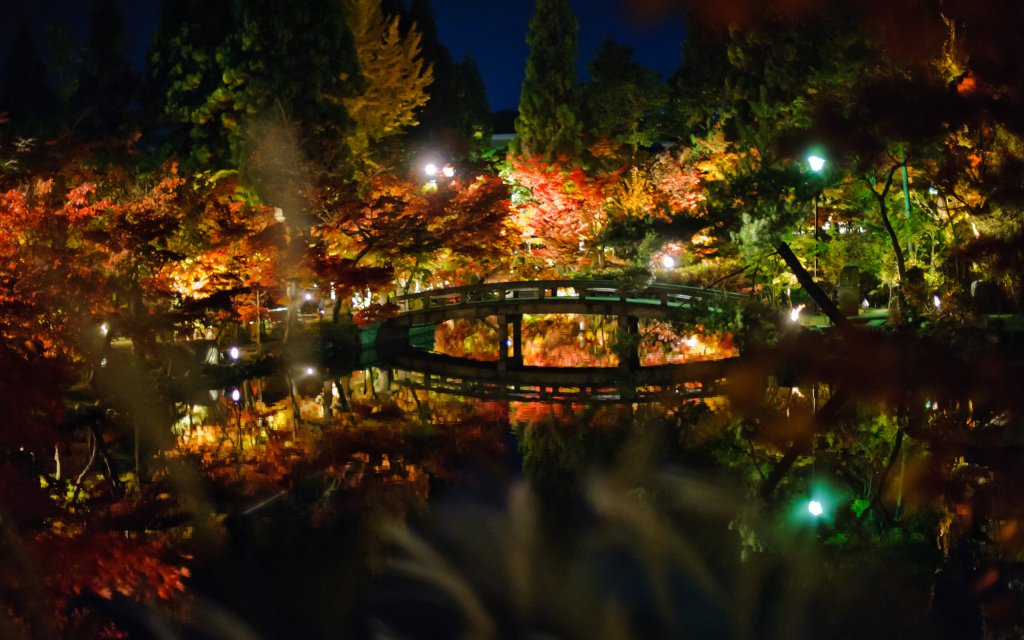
393,507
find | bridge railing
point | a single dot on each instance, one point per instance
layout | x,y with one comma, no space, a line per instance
665,295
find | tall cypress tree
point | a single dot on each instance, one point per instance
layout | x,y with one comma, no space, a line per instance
547,125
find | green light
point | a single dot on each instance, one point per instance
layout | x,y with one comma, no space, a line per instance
814,508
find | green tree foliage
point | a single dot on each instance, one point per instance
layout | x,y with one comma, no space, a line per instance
107,85
184,71
278,65
548,125
624,101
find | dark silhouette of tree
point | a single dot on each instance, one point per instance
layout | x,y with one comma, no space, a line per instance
624,101
107,85
548,125
27,96
183,72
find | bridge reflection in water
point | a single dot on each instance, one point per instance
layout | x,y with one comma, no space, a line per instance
508,378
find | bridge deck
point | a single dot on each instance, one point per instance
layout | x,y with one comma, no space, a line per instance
596,297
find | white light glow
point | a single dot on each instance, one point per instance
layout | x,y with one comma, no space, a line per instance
668,261
309,371
233,352
448,171
309,296
817,163
104,328
236,395
937,302
814,508
794,313
430,169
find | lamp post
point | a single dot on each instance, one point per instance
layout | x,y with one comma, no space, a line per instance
817,164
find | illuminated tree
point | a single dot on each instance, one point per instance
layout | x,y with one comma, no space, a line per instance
394,77
548,126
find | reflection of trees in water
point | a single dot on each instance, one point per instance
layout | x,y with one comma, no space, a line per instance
574,340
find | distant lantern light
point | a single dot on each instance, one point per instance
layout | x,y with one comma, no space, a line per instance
430,169
932,191
937,302
310,371
865,304
104,328
794,313
233,352
668,261
448,171
236,395
814,508
817,163
309,296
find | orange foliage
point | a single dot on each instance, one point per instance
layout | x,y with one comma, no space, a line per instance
565,207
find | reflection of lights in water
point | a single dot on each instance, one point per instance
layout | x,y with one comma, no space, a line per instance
233,352
236,395
104,328
794,313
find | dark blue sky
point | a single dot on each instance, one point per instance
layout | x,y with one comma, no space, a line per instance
492,31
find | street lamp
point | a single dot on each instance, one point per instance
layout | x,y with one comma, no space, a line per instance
817,164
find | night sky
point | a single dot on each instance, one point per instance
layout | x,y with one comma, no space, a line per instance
493,32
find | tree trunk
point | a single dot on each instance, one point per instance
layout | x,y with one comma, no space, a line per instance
811,287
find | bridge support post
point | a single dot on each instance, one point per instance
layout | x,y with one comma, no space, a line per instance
629,330
505,358
517,339
502,342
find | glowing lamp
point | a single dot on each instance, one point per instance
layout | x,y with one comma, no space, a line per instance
668,261
448,171
309,371
814,508
794,313
233,352
817,163
236,395
430,169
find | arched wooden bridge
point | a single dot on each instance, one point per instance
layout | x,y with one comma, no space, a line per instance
508,301
590,297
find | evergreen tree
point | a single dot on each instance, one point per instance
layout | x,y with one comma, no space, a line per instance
278,65
27,96
547,124
183,72
473,109
624,102
457,113
107,85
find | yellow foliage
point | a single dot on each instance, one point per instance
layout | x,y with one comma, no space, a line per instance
394,74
